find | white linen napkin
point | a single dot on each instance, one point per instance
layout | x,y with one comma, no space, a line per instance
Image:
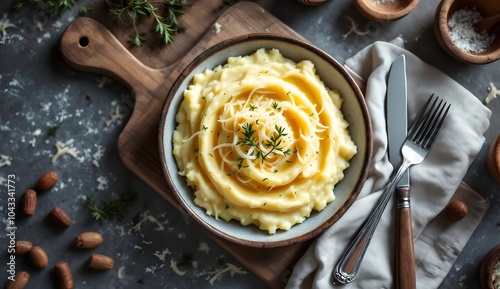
438,241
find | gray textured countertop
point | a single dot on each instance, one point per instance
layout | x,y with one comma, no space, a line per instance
39,92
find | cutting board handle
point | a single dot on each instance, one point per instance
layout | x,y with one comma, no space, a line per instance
87,45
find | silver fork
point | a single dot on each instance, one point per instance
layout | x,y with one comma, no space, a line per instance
420,138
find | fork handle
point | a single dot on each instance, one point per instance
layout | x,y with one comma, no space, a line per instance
347,267
405,256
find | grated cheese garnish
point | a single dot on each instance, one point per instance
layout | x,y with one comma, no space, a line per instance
64,148
103,81
173,265
494,92
5,161
203,247
354,29
116,116
102,183
217,27
232,269
163,254
120,272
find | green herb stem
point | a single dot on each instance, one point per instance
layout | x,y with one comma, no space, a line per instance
114,208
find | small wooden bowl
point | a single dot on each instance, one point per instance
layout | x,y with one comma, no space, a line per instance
488,266
383,12
493,159
445,10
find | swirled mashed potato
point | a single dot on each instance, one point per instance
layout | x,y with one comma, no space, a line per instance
262,140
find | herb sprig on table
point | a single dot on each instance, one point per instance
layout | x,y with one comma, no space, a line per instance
53,8
166,15
114,208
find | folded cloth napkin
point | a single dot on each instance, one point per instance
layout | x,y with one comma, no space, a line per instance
434,182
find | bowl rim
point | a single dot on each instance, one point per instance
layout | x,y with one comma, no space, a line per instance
377,15
367,157
487,267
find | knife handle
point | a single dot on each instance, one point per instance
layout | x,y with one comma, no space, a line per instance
405,256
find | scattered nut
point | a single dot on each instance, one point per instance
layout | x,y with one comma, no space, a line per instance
88,240
64,275
493,159
23,247
60,217
39,257
101,262
47,181
28,202
20,280
456,210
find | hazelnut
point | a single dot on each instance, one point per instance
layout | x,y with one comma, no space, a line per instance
28,202
456,210
19,282
101,262
47,181
64,275
88,240
23,247
39,257
60,217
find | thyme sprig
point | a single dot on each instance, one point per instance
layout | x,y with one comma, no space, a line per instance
53,8
114,208
273,143
166,15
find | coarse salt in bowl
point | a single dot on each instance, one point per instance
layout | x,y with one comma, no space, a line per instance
454,28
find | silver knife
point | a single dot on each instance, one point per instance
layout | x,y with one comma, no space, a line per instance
397,127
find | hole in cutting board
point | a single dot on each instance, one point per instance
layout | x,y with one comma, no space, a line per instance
84,41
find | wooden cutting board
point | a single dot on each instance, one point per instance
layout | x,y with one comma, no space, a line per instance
98,45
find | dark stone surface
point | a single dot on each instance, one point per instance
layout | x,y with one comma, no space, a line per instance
38,91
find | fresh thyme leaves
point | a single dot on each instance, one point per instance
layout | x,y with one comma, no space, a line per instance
51,131
166,15
248,133
276,106
273,143
113,208
53,8
137,39
240,163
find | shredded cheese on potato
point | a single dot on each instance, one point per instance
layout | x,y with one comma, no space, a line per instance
262,140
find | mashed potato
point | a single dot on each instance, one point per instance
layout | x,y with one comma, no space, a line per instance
262,140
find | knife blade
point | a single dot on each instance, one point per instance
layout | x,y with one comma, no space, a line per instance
397,127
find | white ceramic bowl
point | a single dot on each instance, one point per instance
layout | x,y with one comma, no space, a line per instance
353,108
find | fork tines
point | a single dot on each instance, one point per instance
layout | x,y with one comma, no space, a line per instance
429,121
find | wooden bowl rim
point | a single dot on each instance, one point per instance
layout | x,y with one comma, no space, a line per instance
389,15
493,159
488,266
